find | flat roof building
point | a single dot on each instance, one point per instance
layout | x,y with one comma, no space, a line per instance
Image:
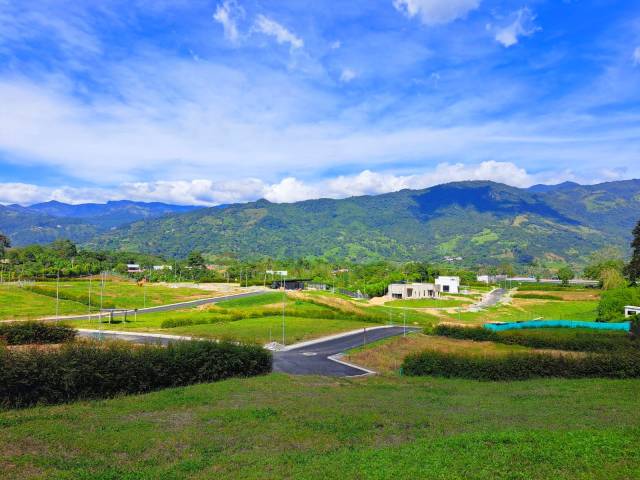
631,310
448,284
408,291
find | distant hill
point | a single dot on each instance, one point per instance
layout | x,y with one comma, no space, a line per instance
44,222
482,222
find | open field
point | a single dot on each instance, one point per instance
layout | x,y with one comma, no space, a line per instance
429,303
17,303
311,427
22,303
529,309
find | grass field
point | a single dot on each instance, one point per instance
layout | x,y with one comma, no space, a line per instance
19,303
428,303
318,428
529,309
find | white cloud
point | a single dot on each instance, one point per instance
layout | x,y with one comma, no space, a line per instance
636,56
227,14
290,189
522,26
274,29
347,75
336,45
434,12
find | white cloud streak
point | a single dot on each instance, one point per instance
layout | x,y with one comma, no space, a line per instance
227,14
523,25
435,12
636,56
272,28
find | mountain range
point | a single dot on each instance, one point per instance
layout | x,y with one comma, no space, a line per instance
479,221
45,222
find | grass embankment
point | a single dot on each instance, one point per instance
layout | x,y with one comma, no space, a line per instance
259,319
39,300
312,427
19,304
428,303
530,309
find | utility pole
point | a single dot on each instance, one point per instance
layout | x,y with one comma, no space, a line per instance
404,333
89,297
284,302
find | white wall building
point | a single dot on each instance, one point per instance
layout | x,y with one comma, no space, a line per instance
407,291
448,284
631,310
491,278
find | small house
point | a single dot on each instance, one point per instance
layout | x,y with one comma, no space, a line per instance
407,291
448,284
631,310
133,268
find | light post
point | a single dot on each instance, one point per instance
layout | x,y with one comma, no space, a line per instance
283,275
58,295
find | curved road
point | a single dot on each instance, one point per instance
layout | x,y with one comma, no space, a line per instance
492,298
319,358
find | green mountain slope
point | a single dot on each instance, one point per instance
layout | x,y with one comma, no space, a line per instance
479,221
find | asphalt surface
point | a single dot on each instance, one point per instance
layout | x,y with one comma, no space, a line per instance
162,308
131,337
492,298
314,359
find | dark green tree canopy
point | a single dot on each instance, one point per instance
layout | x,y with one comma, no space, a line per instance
633,268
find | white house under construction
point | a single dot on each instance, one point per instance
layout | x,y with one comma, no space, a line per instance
407,291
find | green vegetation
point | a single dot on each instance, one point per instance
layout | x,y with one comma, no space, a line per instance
427,303
17,303
98,370
523,366
633,268
572,339
23,333
318,428
537,296
612,303
39,300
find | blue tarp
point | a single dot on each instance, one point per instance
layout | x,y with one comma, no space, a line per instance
499,327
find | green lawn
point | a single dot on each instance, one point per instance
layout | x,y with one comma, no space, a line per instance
322,428
427,303
521,310
17,303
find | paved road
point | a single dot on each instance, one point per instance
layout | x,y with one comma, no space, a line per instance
161,308
315,359
492,298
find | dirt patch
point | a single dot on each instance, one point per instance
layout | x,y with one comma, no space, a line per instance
566,295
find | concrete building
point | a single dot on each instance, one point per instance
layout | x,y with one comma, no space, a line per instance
491,279
631,310
448,284
407,291
133,268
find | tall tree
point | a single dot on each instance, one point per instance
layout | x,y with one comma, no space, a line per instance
4,244
633,268
565,274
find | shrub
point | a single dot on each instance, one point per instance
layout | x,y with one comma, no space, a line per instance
23,333
612,303
522,366
572,339
94,370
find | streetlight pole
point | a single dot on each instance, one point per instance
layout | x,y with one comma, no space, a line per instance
284,302
58,295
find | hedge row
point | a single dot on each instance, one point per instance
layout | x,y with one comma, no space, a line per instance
99,370
23,333
578,340
523,366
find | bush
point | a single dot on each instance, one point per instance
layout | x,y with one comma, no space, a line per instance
572,339
523,366
23,333
612,303
99,370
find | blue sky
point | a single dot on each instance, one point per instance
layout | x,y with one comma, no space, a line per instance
193,101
